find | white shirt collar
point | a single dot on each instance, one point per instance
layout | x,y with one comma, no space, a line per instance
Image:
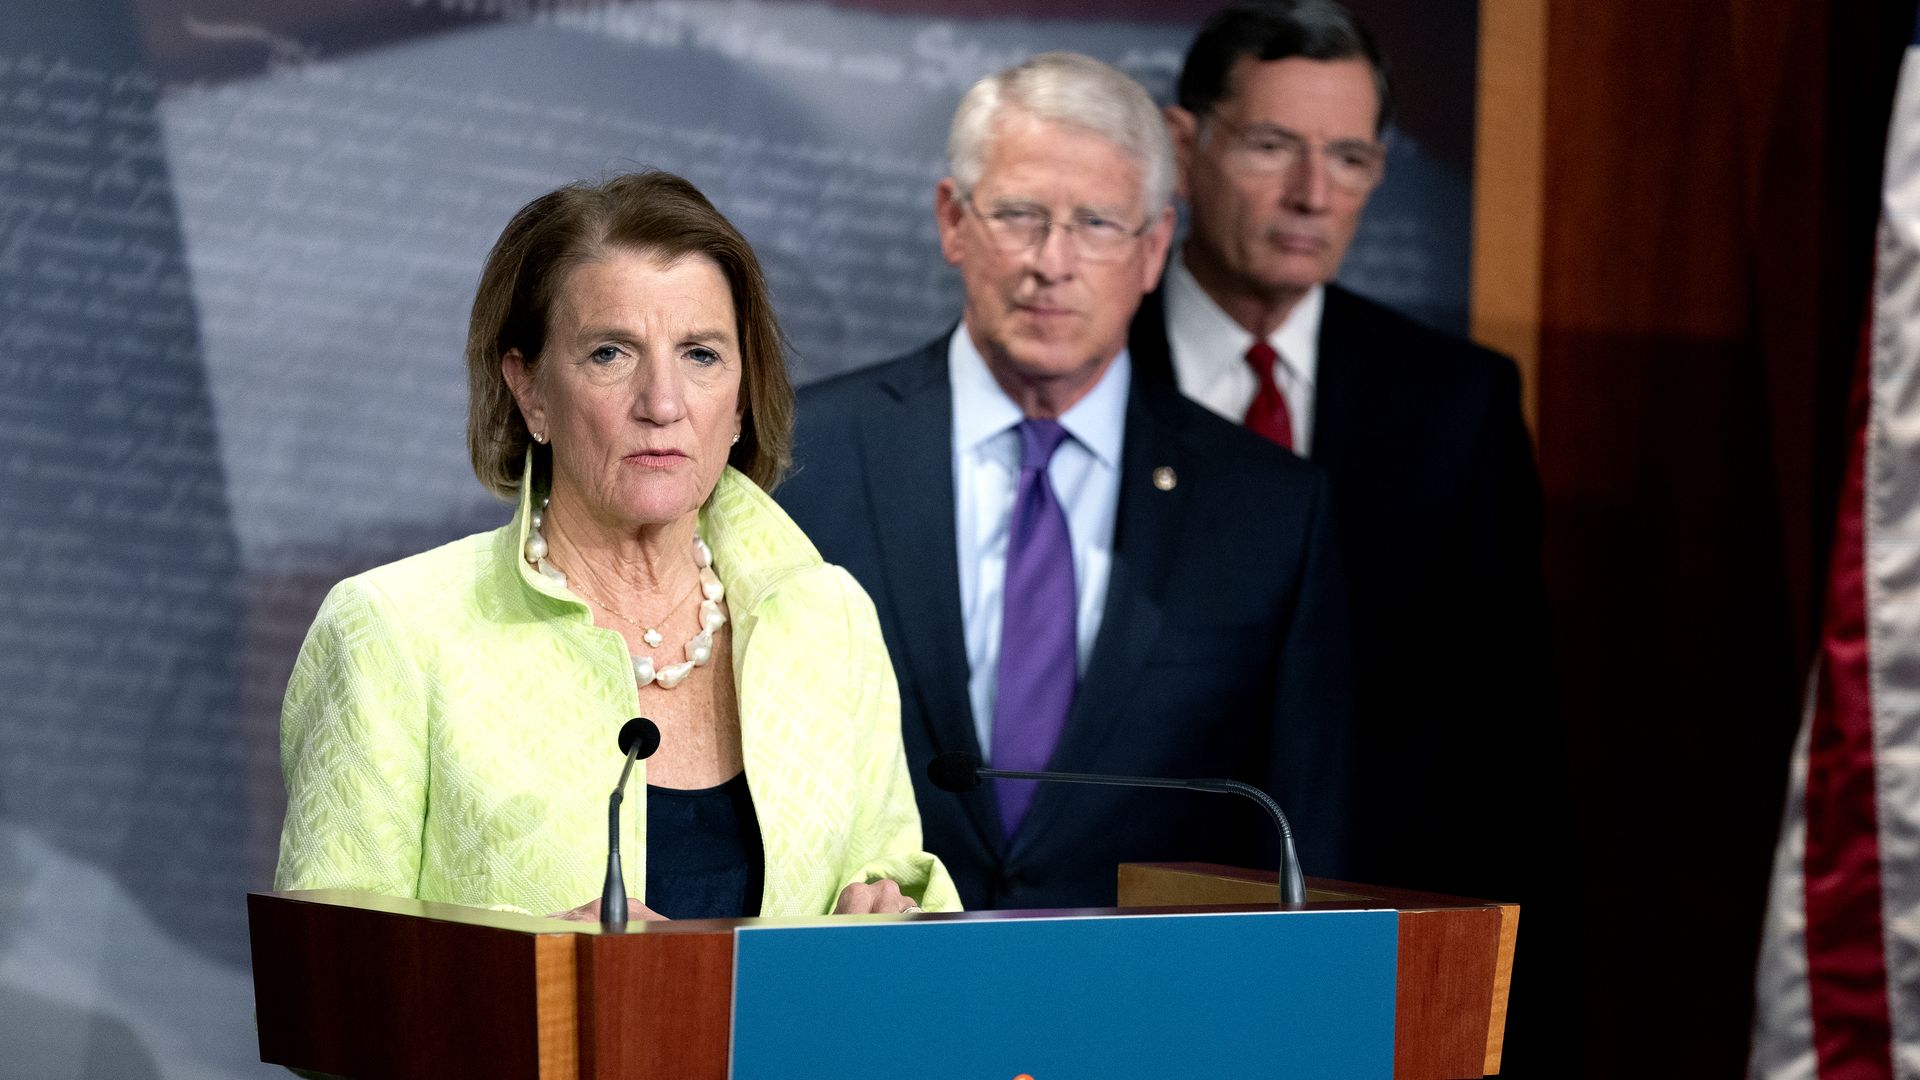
981,410
1217,340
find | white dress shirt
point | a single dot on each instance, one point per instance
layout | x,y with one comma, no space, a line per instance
1209,353
1085,472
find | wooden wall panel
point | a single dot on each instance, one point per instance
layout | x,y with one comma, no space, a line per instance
1508,197
1663,531
1707,173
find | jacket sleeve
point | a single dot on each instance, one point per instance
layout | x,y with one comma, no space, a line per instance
1515,796
354,754
1310,763
886,841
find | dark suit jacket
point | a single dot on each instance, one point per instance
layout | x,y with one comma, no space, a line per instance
1222,650
1438,509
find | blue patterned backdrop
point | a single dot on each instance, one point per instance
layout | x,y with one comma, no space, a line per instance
237,246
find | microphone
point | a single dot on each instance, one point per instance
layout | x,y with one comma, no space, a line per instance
639,738
959,772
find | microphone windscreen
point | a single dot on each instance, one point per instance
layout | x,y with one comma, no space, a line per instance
642,732
955,770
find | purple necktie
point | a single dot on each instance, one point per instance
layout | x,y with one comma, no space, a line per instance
1038,652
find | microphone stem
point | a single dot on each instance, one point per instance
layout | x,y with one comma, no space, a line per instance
633,755
1293,885
613,894
1086,778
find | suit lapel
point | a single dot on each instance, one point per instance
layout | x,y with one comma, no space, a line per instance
1147,340
1339,402
1146,531
908,463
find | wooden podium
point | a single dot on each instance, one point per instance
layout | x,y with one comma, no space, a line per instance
364,986
1453,969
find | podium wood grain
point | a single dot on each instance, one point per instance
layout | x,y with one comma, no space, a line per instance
404,998
371,987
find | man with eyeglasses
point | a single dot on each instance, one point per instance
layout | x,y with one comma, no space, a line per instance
1075,569
1281,109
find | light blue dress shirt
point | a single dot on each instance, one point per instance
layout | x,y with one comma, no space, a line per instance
1085,472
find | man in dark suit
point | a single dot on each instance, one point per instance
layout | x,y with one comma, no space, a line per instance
1075,569
1281,108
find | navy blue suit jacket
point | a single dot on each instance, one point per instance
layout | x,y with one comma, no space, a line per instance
1223,650
1459,778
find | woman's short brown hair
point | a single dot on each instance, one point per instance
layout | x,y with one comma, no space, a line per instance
652,213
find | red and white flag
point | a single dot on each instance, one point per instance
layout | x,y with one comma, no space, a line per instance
1838,989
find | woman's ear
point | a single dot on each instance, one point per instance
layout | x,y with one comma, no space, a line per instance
525,390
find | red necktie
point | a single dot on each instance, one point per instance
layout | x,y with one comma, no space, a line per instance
1268,414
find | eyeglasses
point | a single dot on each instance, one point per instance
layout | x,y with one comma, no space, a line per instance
1023,227
1353,165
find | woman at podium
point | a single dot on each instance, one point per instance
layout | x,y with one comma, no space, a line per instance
449,727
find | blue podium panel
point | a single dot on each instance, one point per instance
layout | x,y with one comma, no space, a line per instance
1301,995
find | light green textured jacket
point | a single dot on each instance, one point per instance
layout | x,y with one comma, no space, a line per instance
449,729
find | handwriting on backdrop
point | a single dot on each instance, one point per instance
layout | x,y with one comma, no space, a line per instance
118,595
337,218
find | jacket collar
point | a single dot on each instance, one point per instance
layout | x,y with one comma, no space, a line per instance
755,545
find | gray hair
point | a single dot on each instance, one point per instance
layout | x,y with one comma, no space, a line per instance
1074,90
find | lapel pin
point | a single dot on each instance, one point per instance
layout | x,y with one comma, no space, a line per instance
1164,479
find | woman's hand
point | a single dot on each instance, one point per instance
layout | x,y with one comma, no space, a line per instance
881,897
590,912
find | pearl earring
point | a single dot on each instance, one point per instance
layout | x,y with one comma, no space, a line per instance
540,437
736,438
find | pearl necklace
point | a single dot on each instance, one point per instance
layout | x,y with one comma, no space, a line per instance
699,647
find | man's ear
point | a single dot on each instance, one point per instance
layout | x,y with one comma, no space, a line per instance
524,388
1158,239
1184,128
950,215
